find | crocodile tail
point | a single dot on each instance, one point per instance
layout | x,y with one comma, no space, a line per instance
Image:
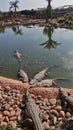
27,94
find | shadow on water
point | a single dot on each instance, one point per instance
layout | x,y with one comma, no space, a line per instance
50,43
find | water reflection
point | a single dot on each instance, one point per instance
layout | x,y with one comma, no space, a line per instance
17,30
50,43
2,29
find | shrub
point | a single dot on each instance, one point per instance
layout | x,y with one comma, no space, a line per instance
8,127
61,19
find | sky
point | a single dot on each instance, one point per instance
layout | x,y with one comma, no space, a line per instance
33,4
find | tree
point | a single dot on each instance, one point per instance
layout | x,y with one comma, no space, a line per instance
1,15
49,9
49,2
14,5
47,12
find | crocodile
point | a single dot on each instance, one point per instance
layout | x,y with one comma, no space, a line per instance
17,54
22,75
39,76
32,112
47,82
67,98
44,83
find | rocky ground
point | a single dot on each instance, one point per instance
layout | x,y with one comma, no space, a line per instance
51,111
10,113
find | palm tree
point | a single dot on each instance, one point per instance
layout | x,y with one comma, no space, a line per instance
14,5
50,43
49,2
49,9
47,12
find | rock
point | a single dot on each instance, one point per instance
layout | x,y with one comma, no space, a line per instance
52,128
4,96
53,101
0,87
7,106
0,108
0,97
55,112
46,100
46,126
1,118
15,106
45,117
62,113
13,118
54,120
8,88
6,113
19,129
60,118
43,103
49,107
45,108
68,115
18,112
38,102
19,118
12,113
10,122
58,108
14,124
18,102
6,119
48,104
39,97
41,107
10,108
4,123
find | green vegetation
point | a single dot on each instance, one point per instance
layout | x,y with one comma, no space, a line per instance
8,127
67,19
61,19
47,13
28,12
1,15
49,9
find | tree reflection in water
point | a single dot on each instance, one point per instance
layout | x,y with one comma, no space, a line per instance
17,30
50,43
2,29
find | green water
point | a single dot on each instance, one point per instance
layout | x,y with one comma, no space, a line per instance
40,47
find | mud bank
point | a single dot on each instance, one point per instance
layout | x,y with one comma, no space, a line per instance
44,92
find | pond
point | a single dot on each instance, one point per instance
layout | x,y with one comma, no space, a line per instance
41,47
